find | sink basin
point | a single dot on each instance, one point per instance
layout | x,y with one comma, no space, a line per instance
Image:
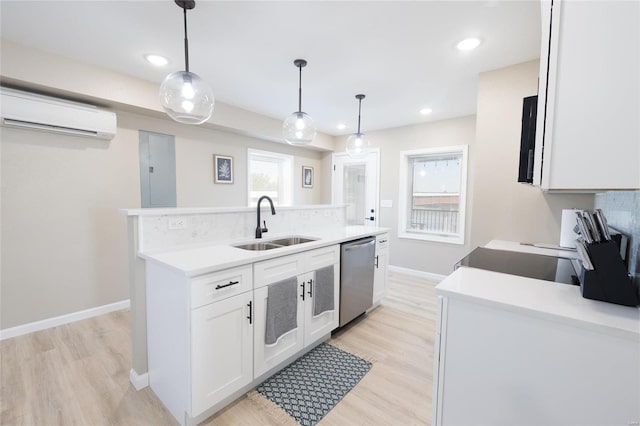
273,244
258,246
291,241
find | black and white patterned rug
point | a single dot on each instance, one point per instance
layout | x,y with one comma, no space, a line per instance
313,384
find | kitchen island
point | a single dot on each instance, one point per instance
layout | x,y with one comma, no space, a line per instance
514,350
205,296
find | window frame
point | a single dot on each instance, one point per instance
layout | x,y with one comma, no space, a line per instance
403,201
287,187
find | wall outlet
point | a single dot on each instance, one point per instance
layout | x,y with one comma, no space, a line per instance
177,223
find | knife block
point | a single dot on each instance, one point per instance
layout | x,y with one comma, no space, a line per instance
609,280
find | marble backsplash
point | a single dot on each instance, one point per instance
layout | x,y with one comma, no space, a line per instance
622,209
155,232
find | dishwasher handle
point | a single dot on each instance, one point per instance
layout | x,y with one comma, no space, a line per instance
359,246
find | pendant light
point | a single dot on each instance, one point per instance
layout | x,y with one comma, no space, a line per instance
358,143
184,95
298,129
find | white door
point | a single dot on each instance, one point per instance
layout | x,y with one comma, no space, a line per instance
317,326
267,357
221,350
356,184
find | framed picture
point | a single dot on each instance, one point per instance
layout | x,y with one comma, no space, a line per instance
307,177
222,169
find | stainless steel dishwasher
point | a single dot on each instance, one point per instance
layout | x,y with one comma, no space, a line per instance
356,278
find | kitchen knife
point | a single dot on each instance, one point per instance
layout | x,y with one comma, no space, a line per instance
584,255
583,228
588,219
602,224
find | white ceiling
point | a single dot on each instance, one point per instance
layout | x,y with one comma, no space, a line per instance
400,54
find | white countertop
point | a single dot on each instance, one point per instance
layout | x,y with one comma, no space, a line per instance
551,300
214,257
172,211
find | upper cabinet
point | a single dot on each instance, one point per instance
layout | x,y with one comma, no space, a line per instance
588,125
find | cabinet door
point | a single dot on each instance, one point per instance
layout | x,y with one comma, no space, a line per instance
590,128
267,357
316,327
380,273
221,350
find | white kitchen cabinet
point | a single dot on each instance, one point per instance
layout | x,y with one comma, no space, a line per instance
588,132
221,350
310,328
517,351
382,264
200,337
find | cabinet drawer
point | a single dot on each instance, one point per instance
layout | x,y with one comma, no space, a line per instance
270,271
319,258
220,285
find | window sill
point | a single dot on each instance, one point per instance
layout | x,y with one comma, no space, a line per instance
458,240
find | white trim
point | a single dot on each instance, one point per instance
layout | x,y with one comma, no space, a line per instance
416,273
62,319
139,381
376,151
457,238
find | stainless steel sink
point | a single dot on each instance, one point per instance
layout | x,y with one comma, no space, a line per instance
292,241
258,246
273,244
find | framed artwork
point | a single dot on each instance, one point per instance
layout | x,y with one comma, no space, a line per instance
222,169
307,177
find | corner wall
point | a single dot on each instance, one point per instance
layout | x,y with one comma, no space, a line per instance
502,207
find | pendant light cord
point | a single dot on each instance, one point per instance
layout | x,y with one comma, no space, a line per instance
300,89
186,42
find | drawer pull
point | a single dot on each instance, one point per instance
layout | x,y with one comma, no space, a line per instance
302,285
218,287
310,293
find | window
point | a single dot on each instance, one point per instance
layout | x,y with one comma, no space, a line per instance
432,194
269,173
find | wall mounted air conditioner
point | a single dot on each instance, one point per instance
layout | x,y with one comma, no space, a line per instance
43,113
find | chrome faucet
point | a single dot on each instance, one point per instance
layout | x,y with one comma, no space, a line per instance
259,228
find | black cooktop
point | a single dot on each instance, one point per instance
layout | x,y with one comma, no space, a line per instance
549,268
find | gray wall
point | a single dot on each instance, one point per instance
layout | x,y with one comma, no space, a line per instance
64,245
497,206
622,209
416,254
502,207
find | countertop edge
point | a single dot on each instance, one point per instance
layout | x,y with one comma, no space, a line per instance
447,288
248,257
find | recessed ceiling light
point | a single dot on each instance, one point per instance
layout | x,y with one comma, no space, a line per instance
468,44
157,60
341,126
426,111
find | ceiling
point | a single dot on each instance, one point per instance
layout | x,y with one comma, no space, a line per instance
400,54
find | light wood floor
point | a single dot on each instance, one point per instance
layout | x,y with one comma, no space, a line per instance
78,374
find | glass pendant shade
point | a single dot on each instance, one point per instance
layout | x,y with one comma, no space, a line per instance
357,145
186,98
298,129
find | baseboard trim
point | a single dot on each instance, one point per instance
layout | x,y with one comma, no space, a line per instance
416,273
139,381
62,319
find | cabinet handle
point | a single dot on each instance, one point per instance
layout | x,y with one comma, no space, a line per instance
218,287
310,288
376,262
250,304
302,285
